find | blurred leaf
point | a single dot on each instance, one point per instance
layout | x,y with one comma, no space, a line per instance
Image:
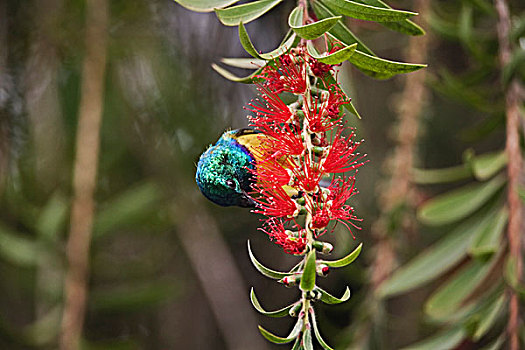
312,30
230,76
127,209
381,68
347,260
497,344
337,57
486,318
205,5
339,30
488,240
245,63
458,204
316,331
245,13
434,260
406,26
307,340
487,165
278,313
327,298
365,12
279,340
52,217
133,298
266,271
447,299
309,273
515,66
44,330
16,249
248,46
442,175
448,339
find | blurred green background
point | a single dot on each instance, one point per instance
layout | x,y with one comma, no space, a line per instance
170,270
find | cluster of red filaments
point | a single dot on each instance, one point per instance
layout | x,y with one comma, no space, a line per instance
308,160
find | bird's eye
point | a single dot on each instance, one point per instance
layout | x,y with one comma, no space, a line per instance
231,184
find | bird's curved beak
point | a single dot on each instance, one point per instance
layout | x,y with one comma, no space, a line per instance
247,201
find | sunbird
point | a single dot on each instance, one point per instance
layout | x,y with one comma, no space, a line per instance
225,171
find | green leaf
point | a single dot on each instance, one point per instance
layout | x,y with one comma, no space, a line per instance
230,76
279,340
278,313
205,5
448,339
406,26
45,329
447,299
497,344
366,12
244,63
443,175
487,240
337,57
297,345
327,298
340,31
52,219
312,30
127,209
266,271
487,317
487,165
308,277
17,249
347,260
458,204
307,340
248,46
381,68
316,331
245,13
434,260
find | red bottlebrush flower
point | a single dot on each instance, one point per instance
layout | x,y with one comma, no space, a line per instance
275,171
282,140
316,113
310,175
273,201
271,108
320,69
289,75
341,157
285,238
336,99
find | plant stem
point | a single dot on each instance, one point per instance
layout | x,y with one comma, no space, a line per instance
85,173
513,101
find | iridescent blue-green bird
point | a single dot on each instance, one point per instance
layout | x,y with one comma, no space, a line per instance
225,170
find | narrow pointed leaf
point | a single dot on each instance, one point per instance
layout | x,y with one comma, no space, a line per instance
205,5
458,204
307,340
312,30
449,297
297,345
280,340
488,239
380,67
366,12
17,249
230,76
248,45
435,260
316,331
245,63
340,31
443,175
347,260
266,271
497,344
308,277
489,316
447,339
487,165
278,313
327,298
245,13
52,218
405,26
333,58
